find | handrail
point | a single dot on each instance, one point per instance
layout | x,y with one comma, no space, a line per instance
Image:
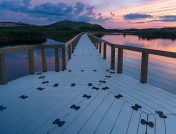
149,51
70,41
51,46
108,43
23,48
138,49
144,59
16,49
71,44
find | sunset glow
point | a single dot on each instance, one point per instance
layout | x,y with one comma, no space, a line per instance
108,13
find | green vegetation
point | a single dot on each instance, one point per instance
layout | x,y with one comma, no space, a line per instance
20,36
19,33
71,26
65,30
29,34
168,33
152,33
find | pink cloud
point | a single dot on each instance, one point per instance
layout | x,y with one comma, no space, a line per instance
112,9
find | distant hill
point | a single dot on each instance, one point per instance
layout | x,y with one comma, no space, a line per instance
18,33
65,30
72,25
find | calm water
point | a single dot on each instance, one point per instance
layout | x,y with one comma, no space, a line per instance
17,63
162,70
132,40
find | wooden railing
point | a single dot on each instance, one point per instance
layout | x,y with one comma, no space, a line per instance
99,43
71,44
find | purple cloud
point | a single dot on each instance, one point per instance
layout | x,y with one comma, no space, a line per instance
54,12
136,16
168,18
165,18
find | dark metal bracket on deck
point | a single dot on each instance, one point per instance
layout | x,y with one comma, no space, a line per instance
59,122
75,107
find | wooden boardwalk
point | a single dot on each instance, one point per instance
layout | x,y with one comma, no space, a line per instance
86,98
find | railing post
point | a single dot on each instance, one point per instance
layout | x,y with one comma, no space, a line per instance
57,59
73,45
100,47
120,61
112,57
44,64
104,51
63,59
69,51
72,49
3,69
96,44
31,61
144,67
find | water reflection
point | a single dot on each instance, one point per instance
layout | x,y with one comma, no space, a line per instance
131,40
17,62
162,70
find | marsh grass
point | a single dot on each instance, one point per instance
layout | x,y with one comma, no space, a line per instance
166,33
65,30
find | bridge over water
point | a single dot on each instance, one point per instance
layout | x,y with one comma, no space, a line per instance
87,97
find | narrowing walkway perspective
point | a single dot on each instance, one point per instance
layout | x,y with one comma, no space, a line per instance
87,98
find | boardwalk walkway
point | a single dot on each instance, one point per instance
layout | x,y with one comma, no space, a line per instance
86,98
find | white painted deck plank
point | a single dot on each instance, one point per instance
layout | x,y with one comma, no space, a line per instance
26,118
142,128
96,117
31,101
133,124
44,122
152,130
108,122
170,124
139,95
75,127
101,114
146,87
75,114
121,125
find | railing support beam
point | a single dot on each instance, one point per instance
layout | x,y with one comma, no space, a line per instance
31,61
3,71
96,44
44,64
73,45
100,47
72,49
69,52
112,57
63,59
104,51
57,59
120,61
144,67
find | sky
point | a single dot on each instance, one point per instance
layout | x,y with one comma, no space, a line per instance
120,14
